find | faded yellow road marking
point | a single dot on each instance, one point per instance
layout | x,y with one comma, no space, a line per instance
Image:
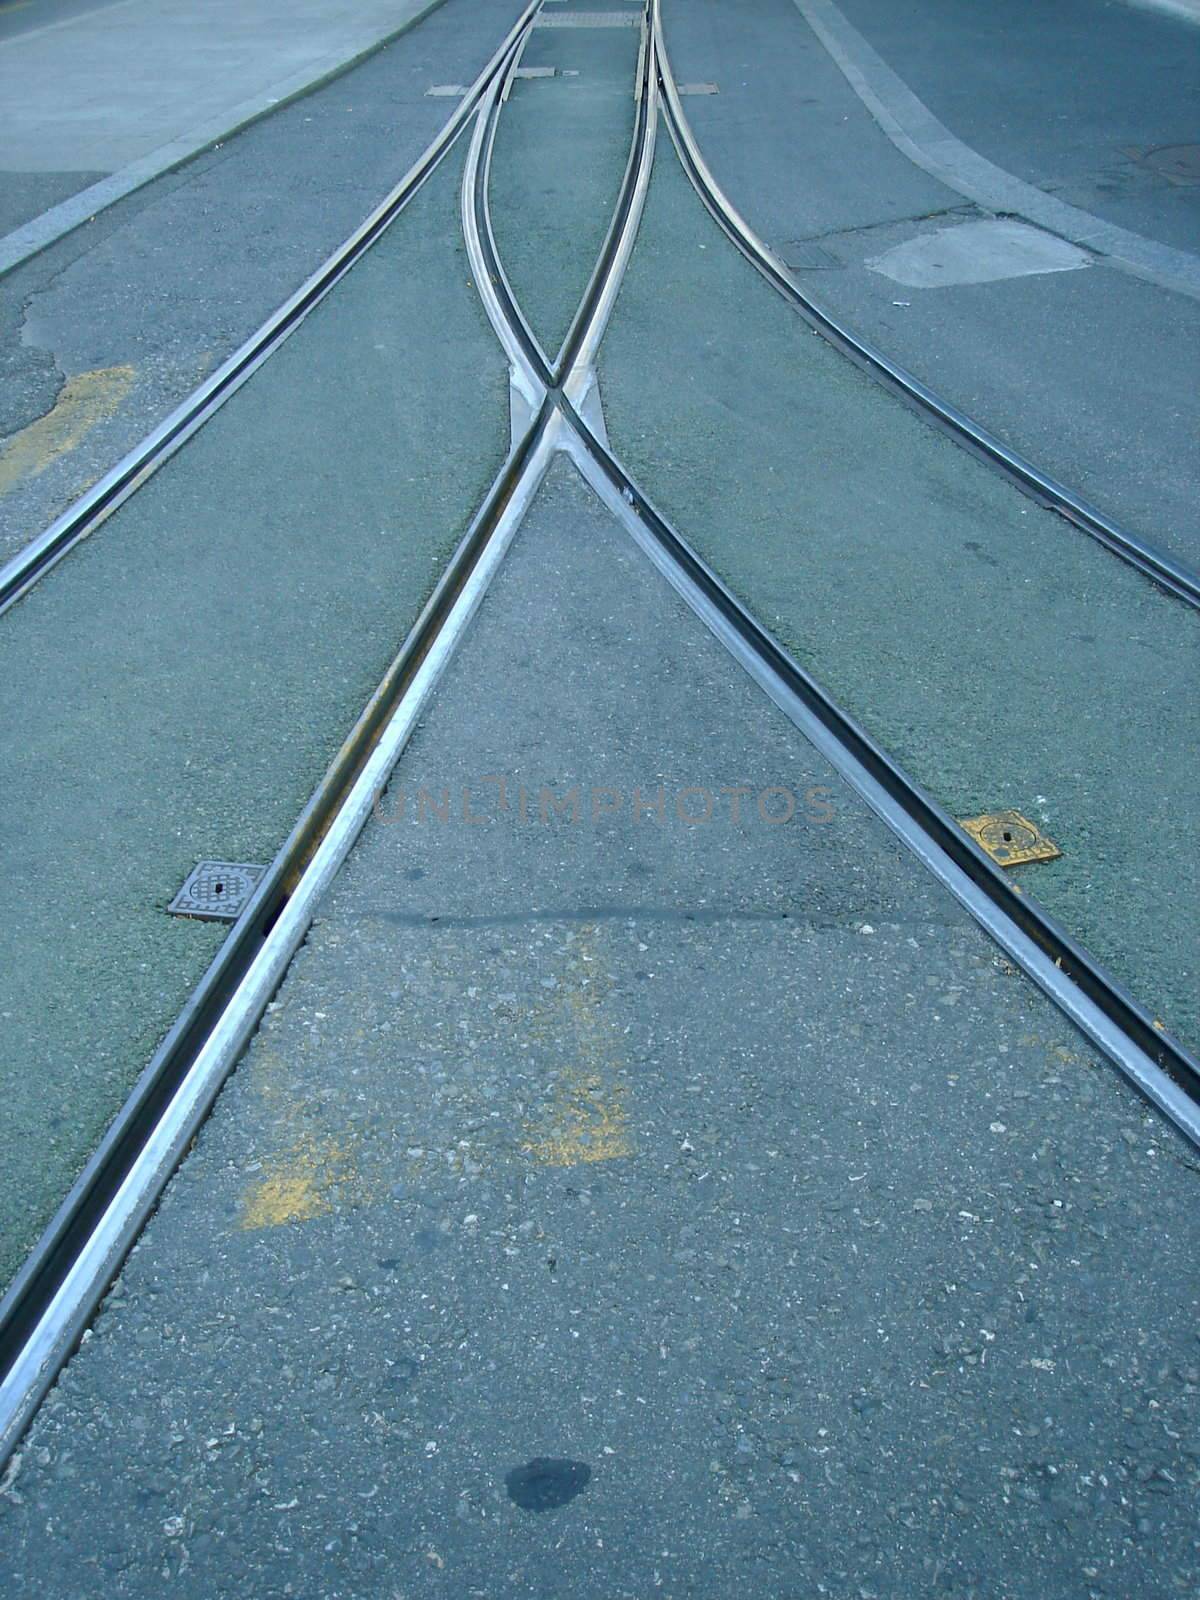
299,1184
588,1118
587,1122
83,401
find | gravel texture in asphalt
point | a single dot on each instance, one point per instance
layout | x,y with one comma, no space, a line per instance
105,332
561,149
175,689
1005,659
622,1206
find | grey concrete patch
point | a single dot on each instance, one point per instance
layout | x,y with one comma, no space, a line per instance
915,131
624,1207
977,252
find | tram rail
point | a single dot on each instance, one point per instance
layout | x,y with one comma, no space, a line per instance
48,1306
1172,575
85,515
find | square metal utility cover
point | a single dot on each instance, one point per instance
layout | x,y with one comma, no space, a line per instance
216,891
1009,838
805,255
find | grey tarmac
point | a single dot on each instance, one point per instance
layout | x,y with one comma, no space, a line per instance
1086,136
176,688
626,1206
551,198
1091,374
646,1179
1003,658
104,333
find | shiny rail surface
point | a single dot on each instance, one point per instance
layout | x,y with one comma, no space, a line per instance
48,1304
54,1296
1172,575
1159,1065
19,574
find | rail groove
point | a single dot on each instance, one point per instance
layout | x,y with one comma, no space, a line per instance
84,516
1159,1065
1163,568
49,1304
47,1307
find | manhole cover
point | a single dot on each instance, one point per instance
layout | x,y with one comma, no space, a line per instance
1009,838
1178,162
216,891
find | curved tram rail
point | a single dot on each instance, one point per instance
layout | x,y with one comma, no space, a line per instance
47,1308
1172,575
52,1298
87,513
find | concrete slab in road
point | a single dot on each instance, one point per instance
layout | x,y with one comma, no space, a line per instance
977,252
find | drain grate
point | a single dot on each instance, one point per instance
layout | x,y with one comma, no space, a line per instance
216,891
1009,838
803,255
589,19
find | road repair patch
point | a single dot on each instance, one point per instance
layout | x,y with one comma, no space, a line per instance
977,252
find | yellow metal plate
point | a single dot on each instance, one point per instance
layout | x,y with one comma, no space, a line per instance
1009,838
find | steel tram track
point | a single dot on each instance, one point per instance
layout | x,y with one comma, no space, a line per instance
84,516
1175,576
571,373
50,1303
1159,1065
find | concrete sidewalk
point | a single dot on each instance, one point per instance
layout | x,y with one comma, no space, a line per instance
99,103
